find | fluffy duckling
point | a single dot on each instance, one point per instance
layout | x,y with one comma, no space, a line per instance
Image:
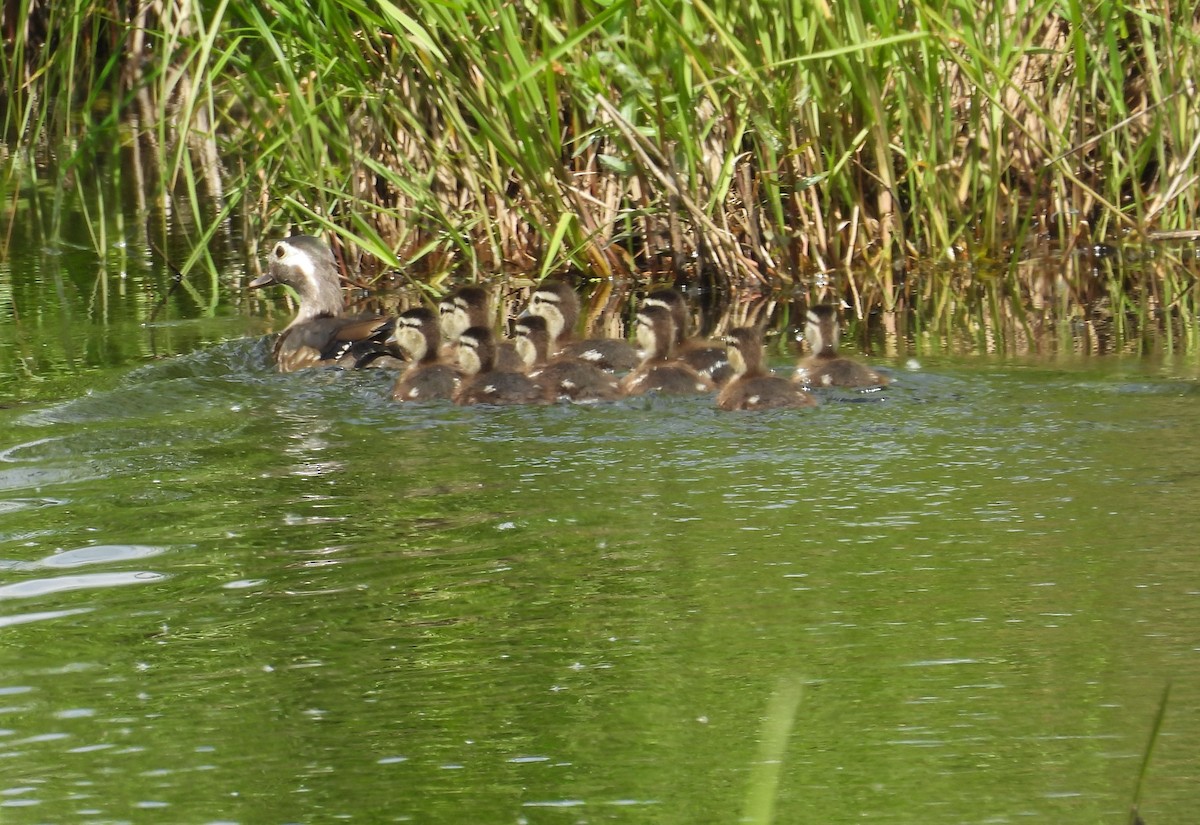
561,377
825,368
556,301
706,357
754,387
657,372
319,335
469,306
485,384
427,378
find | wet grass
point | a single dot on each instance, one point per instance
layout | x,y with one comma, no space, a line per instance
894,155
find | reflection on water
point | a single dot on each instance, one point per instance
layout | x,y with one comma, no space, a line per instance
982,577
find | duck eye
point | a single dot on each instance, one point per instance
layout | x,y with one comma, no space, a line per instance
279,250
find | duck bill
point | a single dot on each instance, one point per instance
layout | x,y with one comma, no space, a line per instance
261,281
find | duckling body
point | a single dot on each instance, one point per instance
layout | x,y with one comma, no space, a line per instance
469,306
753,387
560,377
319,335
825,368
707,357
485,383
557,302
427,378
658,372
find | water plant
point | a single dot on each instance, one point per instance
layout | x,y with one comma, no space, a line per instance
828,147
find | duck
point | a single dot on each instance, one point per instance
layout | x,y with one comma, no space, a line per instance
560,376
428,378
484,382
320,335
706,357
824,367
753,386
469,306
658,372
555,300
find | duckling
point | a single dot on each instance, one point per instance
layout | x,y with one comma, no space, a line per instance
754,387
427,377
469,306
556,301
706,357
825,368
657,372
485,384
319,335
561,377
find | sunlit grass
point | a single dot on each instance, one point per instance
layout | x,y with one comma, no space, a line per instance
838,148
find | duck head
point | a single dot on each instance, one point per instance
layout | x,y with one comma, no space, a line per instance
306,264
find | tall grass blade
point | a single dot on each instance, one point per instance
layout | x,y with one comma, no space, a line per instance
1134,817
763,789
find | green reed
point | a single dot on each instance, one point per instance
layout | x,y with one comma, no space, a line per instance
736,142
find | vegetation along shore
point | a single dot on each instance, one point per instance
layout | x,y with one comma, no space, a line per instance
924,156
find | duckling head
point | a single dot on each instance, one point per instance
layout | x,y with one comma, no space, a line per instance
673,301
744,348
476,350
464,308
531,337
417,333
821,329
655,332
557,302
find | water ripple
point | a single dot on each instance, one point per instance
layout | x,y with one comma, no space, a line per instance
61,584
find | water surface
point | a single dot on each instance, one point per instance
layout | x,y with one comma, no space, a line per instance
230,595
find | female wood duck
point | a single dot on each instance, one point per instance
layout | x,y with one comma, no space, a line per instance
484,382
754,387
319,335
658,372
427,377
469,306
825,368
706,357
560,377
556,301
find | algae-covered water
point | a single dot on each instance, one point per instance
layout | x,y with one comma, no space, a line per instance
230,595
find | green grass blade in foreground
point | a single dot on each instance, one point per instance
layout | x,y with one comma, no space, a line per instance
772,744
1154,731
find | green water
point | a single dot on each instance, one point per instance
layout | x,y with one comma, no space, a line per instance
229,595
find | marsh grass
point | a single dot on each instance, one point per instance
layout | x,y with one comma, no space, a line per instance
836,149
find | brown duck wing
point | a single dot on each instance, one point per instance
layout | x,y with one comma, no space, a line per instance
332,341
